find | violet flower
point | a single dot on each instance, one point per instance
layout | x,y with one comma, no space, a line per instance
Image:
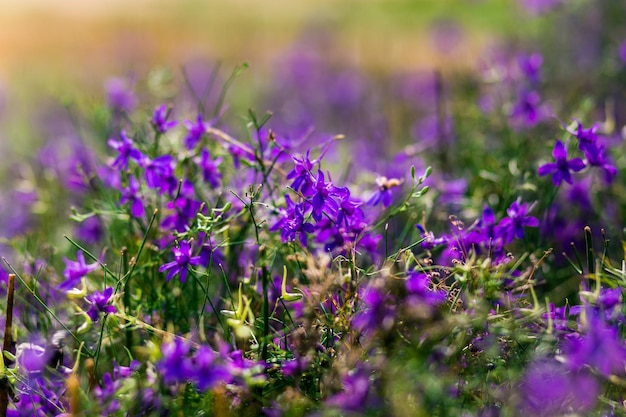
596,157
175,366
126,150
210,168
159,119
513,226
182,261
206,373
292,223
119,95
100,303
75,271
160,174
131,196
196,131
600,347
560,169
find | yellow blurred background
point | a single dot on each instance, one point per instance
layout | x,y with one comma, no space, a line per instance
83,41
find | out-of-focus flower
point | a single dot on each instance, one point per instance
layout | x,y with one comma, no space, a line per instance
518,218
195,132
548,389
560,169
600,347
175,365
125,147
159,119
75,271
209,168
119,95
131,196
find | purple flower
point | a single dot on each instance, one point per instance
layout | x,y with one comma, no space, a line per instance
130,195
100,303
560,169
119,95
196,131
548,389
528,109
322,199
175,366
126,150
182,260
75,271
587,138
210,168
160,174
596,157
207,373
530,65
159,119
292,223
600,347
513,226
358,393
384,193
301,173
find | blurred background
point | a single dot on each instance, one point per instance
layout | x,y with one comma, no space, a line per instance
73,44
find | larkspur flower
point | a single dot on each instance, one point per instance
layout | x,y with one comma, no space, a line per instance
160,174
210,168
182,261
175,366
518,218
195,132
125,147
292,223
600,347
100,303
159,119
75,271
596,157
131,196
561,169
119,95
384,193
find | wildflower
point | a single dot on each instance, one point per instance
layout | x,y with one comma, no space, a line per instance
160,174
75,271
528,109
130,196
210,168
600,347
548,389
596,157
175,366
207,373
292,223
126,150
384,194
587,138
530,65
196,131
322,199
159,119
301,173
119,95
513,226
560,169
182,260
100,303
